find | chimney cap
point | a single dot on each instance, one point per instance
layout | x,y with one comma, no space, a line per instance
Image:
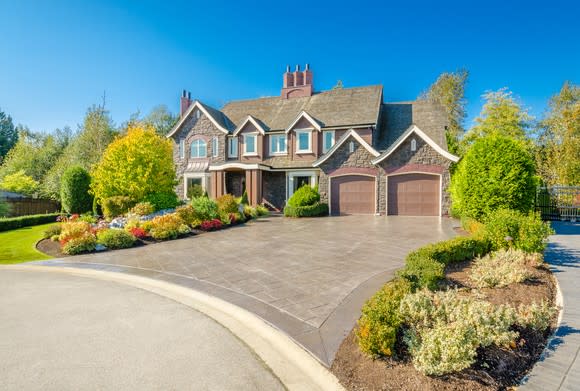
183,93
287,68
307,67
297,67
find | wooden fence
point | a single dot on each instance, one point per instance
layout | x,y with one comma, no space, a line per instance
559,202
31,206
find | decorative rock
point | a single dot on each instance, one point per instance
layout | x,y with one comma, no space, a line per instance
100,247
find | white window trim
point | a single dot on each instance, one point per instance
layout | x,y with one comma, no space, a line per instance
290,180
255,153
325,148
274,136
182,149
205,177
231,140
297,132
215,147
191,150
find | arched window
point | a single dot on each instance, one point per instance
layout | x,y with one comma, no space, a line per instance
198,148
413,145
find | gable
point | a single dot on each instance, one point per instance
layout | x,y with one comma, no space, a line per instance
217,118
304,121
342,142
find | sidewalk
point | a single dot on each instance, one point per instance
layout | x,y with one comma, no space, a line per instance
560,368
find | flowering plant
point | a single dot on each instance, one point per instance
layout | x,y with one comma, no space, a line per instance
211,225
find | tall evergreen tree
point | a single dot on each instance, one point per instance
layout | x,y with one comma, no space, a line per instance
8,134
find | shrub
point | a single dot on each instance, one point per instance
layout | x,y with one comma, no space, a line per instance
74,190
453,250
262,210
304,196
188,215
194,191
423,272
136,164
315,210
205,209
244,199
26,221
138,232
143,209
115,238
495,173
4,208
502,268
19,182
86,242
250,213
227,204
51,231
73,230
162,200
380,321
527,232
117,206
474,227
87,217
168,226
535,316
211,225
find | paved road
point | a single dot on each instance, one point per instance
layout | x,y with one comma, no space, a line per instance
560,370
62,332
308,277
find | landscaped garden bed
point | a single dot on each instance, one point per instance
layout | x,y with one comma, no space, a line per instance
471,313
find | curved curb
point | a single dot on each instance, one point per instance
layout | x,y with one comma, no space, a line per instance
545,353
296,368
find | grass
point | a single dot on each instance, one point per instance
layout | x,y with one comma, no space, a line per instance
19,245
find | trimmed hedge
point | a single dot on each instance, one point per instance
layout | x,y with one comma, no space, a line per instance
9,223
458,249
315,210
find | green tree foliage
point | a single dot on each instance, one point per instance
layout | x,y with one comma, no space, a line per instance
19,182
8,134
4,208
502,115
74,190
558,141
85,149
449,91
135,165
161,119
496,173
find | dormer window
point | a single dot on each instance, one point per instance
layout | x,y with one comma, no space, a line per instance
304,141
413,145
250,147
198,149
278,144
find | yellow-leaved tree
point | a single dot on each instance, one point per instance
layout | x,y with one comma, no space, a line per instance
136,165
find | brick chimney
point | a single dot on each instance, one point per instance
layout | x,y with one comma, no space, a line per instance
297,84
185,102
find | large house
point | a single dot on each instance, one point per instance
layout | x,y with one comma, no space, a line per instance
366,156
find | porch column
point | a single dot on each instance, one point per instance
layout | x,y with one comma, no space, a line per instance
254,186
220,183
212,192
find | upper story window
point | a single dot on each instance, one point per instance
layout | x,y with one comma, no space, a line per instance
181,149
304,141
277,144
351,147
198,148
215,147
328,140
413,145
233,147
250,144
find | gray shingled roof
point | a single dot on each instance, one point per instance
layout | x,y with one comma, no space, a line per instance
219,117
397,117
340,107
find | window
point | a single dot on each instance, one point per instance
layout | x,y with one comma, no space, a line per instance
250,144
351,147
277,144
233,147
413,145
303,141
197,114
198,148
181,149
214,147
328,140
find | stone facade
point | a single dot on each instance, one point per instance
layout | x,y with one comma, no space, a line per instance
423,159
274,190
343,162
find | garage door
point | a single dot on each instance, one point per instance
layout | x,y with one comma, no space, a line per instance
413,195
352,194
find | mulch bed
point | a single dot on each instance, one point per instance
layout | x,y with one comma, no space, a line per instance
495,369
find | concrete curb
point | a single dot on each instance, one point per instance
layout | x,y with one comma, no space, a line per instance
296,368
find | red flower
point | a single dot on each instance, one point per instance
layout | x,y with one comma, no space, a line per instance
211,225
139,233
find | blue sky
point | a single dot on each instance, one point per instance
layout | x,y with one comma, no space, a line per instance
59,56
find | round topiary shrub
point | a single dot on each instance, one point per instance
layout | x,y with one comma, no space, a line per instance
496,173
115,238
304,196
74,190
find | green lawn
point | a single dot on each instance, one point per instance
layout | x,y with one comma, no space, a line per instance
18,245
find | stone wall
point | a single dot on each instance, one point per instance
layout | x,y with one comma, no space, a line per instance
274,188
424,159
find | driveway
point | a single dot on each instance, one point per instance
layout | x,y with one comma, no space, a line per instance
63,332
307,277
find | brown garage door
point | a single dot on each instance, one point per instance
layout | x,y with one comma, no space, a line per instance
413,195
352,194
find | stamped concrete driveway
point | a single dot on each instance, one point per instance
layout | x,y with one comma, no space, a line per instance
308,277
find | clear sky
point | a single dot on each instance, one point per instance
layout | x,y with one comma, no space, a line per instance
57,57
